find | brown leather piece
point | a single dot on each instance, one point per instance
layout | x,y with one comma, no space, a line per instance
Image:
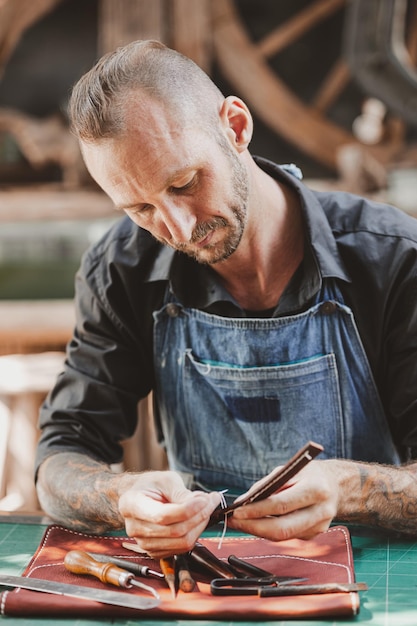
326,558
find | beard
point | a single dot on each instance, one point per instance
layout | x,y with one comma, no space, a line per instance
213,253
233,228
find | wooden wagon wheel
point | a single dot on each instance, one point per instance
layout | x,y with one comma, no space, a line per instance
189,26
245,64
15,17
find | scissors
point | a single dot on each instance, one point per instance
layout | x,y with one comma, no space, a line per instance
265,588
247,586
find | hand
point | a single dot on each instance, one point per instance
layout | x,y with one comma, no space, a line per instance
301,510
162,515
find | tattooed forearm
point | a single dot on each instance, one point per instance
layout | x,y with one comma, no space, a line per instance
83,494
380,495
80,492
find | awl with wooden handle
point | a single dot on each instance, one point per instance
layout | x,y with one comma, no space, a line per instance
136,568
79,562
116,598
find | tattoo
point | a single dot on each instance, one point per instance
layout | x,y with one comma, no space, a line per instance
80,493
386,498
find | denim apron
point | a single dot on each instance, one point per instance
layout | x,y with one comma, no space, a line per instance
238,396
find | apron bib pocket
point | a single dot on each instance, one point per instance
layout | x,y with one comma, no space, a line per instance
263,414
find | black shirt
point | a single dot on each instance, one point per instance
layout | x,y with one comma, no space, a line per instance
368,249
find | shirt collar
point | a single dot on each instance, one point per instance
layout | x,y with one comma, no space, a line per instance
319,232
197,284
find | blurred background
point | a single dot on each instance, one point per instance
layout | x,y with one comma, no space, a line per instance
331,85
299,64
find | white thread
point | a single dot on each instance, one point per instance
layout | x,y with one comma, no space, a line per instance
223,502
223,505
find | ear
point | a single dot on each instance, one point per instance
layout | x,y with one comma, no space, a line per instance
237,122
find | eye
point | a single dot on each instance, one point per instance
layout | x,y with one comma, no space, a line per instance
142,210
183,187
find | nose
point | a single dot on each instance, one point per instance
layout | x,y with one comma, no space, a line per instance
178,221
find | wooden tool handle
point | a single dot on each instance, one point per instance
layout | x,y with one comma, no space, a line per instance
185,581
167,565
79,562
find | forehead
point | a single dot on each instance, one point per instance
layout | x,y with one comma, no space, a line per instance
153,149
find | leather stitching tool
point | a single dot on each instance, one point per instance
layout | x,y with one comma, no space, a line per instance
79,562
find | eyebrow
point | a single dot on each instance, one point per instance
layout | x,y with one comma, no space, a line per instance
125,207
177,174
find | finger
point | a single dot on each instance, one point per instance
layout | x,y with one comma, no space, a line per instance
162,540
301,524
300,494
152,512
166,486
170,540
145,509
165,546
171,520
275,505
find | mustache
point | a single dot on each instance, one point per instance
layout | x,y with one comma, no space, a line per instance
203,229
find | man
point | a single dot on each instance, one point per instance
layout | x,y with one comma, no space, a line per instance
261,314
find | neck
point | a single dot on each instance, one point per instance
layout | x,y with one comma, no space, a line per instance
271,248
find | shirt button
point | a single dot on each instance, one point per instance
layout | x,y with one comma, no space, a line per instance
173,310
328,308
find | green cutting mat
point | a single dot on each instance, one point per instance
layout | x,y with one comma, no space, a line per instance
388,566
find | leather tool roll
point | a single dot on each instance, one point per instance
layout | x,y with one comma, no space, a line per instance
325,559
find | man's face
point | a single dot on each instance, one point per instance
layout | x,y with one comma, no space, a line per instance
187,188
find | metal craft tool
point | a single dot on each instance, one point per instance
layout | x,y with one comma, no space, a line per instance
176,571
252,571
247,568
135,568
104,596
167,565
264,589
185,581
79,562
203,557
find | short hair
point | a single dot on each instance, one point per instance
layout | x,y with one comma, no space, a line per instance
97,104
